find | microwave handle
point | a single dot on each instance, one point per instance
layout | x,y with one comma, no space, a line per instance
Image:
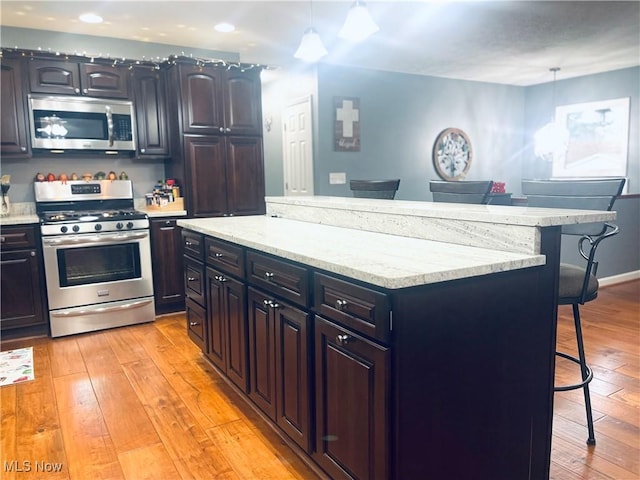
109,124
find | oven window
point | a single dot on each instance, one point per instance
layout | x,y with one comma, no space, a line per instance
86,265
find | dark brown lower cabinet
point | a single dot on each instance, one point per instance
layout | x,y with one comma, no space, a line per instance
352,404
22,310
279,363
227,326
168,265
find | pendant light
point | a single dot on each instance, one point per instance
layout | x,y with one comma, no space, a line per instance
553,138
359,24
311,48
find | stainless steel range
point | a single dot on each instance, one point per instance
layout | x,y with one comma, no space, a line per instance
97,255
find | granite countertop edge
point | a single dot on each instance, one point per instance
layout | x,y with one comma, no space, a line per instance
380,259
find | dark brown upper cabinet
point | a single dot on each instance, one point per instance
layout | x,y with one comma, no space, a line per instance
218,100
149,96
64,77
14,131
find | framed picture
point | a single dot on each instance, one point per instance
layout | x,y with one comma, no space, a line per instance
346,124
598,139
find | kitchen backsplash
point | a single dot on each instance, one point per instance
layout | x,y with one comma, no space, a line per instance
143,173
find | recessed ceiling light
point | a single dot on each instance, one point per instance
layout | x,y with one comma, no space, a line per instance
224,27
90,18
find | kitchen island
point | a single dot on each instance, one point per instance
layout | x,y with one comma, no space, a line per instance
378,350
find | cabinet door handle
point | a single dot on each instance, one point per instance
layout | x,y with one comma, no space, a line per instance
194,324
221,129
76,90
341,305
268,275
227,130
220,278
142,150
32,253
3,239
274,305
343,339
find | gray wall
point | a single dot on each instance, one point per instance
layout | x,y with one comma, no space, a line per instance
400,118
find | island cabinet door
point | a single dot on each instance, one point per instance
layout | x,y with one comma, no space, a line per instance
352,404
293,407
262,365
227,326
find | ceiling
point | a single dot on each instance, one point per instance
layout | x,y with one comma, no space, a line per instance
510,42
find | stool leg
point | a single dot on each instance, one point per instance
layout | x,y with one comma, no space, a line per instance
583,367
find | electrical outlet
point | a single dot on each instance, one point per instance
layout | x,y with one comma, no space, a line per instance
337,178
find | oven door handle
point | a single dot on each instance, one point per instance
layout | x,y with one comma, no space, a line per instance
95,239
119,308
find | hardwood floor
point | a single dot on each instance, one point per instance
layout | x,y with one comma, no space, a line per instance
140,402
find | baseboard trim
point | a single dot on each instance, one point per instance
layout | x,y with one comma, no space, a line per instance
621,278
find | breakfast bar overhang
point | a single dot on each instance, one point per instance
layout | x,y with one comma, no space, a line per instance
465,388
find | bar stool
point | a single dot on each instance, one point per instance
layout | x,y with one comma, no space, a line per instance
374,188
476,191
578,284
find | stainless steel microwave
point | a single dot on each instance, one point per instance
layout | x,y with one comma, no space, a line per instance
81,123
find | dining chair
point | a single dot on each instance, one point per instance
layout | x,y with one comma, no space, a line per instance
578,284
385,189
476,191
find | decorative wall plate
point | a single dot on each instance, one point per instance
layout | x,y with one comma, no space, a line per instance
452,154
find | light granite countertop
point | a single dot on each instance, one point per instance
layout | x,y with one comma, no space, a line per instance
495,214
388,261
19,220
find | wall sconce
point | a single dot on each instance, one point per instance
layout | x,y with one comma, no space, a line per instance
359,24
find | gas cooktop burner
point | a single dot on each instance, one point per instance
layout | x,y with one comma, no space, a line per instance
91,216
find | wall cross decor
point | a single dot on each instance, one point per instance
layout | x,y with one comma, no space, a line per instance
346,124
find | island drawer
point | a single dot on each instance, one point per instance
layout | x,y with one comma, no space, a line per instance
194,280
196,317
279,277
192,244
224,256
360,308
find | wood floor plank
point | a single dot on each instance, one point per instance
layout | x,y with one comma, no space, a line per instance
187,443
65,357
151,462
127,420
88,445
39,438
234,438
124,344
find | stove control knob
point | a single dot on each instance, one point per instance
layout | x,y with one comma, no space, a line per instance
98,227
129,225
119,225
64,229
76,228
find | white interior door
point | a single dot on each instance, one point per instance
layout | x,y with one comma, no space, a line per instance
298,148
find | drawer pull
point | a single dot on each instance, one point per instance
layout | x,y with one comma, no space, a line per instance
341,305
3,239
343,339
194,324
217,255
188,243
268,275
191,279
271,303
